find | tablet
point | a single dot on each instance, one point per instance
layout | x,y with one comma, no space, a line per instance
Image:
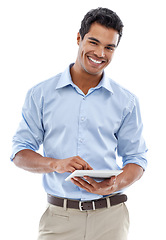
97,174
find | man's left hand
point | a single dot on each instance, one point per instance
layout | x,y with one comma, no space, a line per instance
105,187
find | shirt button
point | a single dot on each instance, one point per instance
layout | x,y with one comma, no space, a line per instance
81,140
82,119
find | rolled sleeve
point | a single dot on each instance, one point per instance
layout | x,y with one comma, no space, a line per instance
30,132
131,144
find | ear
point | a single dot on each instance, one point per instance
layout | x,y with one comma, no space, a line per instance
78,38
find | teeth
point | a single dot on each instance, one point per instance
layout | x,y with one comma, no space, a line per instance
95,61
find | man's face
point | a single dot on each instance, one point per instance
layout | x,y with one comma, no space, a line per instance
97,48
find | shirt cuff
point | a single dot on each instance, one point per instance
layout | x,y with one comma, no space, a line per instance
18,149
135,159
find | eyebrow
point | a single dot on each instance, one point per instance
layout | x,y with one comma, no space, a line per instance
96,40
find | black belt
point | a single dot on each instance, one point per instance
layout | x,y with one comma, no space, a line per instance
88,205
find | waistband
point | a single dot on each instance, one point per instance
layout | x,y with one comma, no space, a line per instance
87,205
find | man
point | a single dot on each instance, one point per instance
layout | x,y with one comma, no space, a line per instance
83,118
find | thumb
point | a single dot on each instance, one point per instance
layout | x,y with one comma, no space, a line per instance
113,180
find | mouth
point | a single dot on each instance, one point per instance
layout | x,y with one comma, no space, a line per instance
97,62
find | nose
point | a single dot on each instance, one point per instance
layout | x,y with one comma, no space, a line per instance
99,52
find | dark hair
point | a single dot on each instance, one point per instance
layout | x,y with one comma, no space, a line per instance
103,16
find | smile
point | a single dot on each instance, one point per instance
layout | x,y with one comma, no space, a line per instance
95,61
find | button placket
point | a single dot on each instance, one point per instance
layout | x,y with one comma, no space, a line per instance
82,127
82,118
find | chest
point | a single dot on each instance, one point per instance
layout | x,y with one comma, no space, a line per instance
67,109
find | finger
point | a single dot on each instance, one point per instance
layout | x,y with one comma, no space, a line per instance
84,183
83,163
88,167
71,169
81,181
80,184
89,185
109,182
78,166
90,180
113,180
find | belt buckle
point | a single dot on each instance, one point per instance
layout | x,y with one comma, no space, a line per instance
81,206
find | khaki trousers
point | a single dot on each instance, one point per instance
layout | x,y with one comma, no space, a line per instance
110,223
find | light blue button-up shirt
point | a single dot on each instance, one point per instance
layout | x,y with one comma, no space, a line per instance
96,126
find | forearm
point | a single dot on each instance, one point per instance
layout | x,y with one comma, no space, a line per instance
34,162
131,173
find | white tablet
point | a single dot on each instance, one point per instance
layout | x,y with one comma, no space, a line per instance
98,174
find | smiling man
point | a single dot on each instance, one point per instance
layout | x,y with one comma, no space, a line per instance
96,50
83,119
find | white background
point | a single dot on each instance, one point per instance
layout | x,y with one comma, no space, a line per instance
38,40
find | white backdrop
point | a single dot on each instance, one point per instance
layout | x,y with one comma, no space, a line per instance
38,40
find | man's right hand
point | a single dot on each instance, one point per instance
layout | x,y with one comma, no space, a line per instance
34,162
71,164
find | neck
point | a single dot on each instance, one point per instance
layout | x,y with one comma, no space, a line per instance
83,79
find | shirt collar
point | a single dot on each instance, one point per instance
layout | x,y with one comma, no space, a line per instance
66,80
105,83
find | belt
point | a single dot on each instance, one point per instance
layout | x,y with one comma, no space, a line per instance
87,205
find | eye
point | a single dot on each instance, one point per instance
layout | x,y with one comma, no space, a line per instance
93,43
110,48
